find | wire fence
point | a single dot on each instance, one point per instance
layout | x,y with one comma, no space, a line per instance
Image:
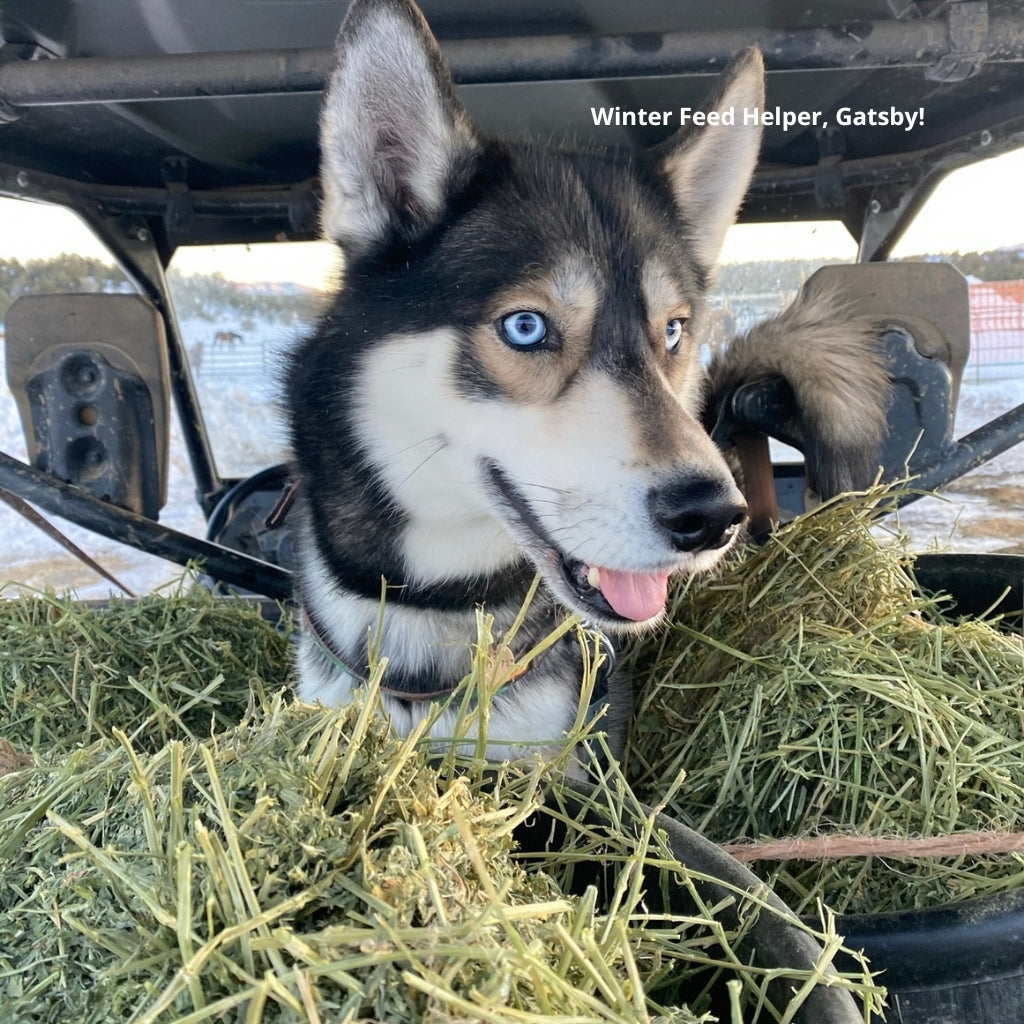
997,325
230,354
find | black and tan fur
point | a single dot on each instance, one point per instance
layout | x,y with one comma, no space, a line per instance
436,451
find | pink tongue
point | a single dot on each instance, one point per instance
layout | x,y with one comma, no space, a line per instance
635,595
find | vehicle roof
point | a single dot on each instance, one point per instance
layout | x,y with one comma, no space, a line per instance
145,101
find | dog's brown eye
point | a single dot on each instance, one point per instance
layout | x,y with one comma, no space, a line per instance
674,333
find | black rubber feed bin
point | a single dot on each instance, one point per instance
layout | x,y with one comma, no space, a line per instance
978,584
962,963
771,940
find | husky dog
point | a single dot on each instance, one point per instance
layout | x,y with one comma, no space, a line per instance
507,384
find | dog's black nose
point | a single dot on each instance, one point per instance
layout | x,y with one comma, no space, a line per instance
698,514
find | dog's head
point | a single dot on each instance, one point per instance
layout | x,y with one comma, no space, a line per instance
528,379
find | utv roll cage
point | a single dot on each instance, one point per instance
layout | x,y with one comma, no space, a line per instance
191,123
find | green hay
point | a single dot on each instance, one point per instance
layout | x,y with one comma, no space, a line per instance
174,665
305,865
808,690
279,863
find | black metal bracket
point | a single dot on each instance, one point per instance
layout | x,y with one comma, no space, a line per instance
89,375
79,506
888,211
970,452
134,235
967,24
769,407
179,214
135,244
136,239
829,186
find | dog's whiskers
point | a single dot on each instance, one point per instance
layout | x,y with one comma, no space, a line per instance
419,465
416,444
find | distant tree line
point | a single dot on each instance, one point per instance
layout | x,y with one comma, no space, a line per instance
1000,265
788,275
769,276
69,273
206,296
214,298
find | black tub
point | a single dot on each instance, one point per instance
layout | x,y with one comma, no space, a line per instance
960,964
773,940
978,584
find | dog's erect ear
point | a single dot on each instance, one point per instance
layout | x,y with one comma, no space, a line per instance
709,168
392,130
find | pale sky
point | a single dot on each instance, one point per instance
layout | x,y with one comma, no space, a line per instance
977,208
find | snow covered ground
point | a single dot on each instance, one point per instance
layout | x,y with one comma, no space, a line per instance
983,511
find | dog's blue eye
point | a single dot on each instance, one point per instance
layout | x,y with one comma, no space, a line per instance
524,329
673,333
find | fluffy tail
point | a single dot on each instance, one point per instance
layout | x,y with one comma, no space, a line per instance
831,361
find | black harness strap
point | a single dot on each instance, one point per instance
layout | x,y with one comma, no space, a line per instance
416,695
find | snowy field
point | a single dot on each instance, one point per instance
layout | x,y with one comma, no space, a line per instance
983,511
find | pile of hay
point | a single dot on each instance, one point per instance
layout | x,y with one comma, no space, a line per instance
809,691
209,850
178,665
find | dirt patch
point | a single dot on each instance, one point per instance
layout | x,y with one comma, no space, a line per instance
993,489
62,572
1005,528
